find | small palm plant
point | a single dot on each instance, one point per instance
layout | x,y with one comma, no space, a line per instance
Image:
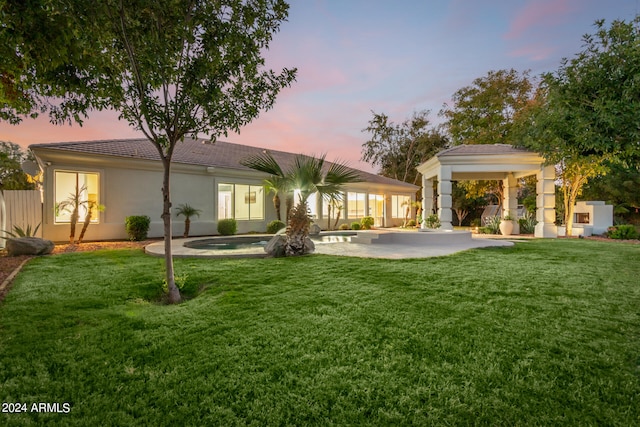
187,211
91,205
73,204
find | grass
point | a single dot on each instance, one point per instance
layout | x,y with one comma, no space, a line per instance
544,333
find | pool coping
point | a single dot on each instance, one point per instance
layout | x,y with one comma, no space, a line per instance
386,251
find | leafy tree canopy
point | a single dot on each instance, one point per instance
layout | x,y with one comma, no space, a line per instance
399,148
12,177
591,102
484,113
170,68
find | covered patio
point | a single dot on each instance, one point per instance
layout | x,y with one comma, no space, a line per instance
489,162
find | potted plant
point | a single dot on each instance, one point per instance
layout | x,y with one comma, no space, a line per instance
507,225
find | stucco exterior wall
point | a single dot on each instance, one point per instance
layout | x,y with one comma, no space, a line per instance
133,187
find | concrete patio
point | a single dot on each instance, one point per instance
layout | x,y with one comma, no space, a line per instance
410,245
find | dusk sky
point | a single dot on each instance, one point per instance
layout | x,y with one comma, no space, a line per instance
396,57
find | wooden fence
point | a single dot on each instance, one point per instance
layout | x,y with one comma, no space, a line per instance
21,208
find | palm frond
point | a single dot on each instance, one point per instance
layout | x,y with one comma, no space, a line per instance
264,163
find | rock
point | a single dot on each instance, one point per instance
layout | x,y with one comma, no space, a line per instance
275,246
314,230
309,246
29,246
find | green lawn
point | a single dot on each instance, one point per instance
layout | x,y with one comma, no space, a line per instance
544,333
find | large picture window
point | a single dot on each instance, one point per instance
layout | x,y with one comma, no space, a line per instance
355,205
240,201
76,189
399,205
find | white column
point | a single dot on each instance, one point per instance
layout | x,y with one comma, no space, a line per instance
510,200
427,199
445,201
546,203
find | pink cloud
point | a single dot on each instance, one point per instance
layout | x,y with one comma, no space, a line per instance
536,14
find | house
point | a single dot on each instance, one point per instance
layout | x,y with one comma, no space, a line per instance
126,177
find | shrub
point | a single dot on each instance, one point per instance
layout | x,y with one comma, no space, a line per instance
493,224
137,227
344,227
411,223
527,224
355,226
476,222
622,232
367,222
274,226
227,227
432,221
485,230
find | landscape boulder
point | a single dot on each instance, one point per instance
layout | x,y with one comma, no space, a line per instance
275,246
29,246
314,230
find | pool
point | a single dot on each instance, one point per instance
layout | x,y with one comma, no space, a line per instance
241,243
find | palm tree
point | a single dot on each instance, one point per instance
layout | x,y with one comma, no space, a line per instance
72,204
309,175
91,205
187,211
277,183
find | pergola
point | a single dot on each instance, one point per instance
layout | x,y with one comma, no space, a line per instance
490,162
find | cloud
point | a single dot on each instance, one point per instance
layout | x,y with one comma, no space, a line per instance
537,14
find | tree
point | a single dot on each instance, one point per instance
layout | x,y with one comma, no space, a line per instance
308,175
485,112
277,183
171,68
399,148
574,174
598,93
187,211
12,177
620,187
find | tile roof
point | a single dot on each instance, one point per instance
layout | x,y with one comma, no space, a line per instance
194,152
482,149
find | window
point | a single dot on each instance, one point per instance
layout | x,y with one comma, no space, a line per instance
336,205
376,208
399,205
75,189
355,205
240,201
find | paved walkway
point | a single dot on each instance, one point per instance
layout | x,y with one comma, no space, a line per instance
389,250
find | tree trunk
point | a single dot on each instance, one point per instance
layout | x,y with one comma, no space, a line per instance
87,221
276,204
187,227
174,292
339,212
328,216
74,222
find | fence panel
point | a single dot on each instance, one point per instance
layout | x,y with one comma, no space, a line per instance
23,208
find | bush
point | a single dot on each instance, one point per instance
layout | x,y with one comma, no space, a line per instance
485,230
355,226
137,227
367,222
432,221
227,227
476,222
274,226
493,224
527,224
622,232
411,223
344,227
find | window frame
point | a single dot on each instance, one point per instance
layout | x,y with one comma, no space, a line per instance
81,216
